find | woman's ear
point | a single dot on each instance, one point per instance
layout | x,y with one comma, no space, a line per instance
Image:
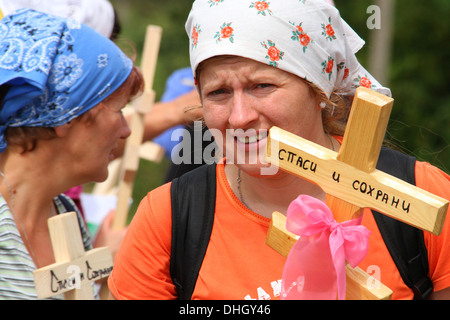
63,130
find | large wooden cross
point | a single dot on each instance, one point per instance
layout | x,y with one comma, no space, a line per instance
352,182
75,268
142,106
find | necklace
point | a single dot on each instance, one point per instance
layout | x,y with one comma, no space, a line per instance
331,141
32,253
239,180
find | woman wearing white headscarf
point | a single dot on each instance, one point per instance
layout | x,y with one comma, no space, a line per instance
258,64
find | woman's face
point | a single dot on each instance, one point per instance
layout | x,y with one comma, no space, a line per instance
239,93
96,138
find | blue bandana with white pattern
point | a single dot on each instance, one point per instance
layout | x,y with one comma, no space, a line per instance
53,70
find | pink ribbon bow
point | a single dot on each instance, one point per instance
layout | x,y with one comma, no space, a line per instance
315,267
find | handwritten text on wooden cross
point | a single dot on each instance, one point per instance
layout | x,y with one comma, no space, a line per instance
350,179
365,189
75,268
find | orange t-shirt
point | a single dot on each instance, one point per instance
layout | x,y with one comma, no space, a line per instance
238,264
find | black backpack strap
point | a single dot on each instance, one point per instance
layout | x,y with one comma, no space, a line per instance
405,243
193,198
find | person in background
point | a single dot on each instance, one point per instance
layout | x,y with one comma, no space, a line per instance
102,16
97,14
62,90
177,139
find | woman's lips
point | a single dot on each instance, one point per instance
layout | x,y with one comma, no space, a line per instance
251,141
253,138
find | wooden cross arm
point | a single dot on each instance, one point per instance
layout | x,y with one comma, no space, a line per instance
74,268
350,179
65,276
360,285
141,106
376,190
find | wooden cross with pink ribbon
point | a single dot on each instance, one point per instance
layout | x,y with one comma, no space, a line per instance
352,182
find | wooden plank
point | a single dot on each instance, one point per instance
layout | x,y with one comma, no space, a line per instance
141,106
74,269
351,181
376,190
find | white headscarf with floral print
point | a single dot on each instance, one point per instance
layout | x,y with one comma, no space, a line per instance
305,37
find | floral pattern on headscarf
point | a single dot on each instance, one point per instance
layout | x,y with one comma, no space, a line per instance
305,37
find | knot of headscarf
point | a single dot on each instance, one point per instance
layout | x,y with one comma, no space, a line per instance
305,37
315,267
56,69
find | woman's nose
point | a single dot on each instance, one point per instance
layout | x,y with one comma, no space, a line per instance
243,112
125,129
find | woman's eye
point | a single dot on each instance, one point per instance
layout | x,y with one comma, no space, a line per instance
217,92
264,85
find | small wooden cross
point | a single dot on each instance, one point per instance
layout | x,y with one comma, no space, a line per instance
142,106
75,268
352,182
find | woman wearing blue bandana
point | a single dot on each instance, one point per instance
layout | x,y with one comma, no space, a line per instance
62,88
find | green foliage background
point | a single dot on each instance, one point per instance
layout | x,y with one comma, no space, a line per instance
418,74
